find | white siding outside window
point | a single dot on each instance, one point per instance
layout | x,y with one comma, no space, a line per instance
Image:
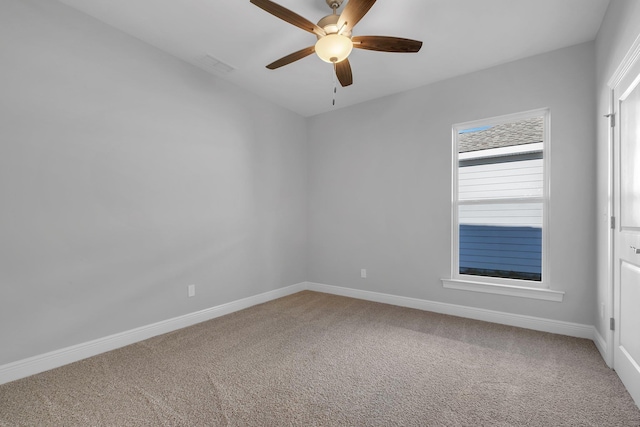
501,180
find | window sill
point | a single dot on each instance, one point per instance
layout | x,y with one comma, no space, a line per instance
514,291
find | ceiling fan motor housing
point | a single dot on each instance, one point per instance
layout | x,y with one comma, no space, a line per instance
330,25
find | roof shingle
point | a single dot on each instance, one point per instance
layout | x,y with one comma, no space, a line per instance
526,131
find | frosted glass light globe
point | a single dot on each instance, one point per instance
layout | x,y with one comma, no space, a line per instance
334,48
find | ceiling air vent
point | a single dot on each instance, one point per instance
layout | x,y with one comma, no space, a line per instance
213,65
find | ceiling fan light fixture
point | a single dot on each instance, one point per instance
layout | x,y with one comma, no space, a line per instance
333,48
334,33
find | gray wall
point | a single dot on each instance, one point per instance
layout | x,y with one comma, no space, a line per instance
619,29
380,184
125,175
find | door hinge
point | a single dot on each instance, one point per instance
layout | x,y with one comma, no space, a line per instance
612,324
613,222
612,119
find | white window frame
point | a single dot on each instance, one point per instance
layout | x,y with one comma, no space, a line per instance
496,285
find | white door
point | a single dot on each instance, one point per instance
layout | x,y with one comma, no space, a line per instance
627,231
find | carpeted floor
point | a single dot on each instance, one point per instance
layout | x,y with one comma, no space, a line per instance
314,359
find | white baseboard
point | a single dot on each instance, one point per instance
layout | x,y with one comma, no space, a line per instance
528,322
44,362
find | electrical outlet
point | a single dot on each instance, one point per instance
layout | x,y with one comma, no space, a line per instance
192,290
363,273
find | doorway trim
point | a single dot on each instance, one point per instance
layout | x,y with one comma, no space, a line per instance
629,60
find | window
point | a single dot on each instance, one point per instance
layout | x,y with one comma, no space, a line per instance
500,198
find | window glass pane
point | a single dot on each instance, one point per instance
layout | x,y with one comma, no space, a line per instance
500,198
501,240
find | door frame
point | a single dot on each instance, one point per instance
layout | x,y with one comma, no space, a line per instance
629,60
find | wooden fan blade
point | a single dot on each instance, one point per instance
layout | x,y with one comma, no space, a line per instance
343,72
289,16
353,13
386,44
302,53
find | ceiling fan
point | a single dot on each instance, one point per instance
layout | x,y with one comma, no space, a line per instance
335,40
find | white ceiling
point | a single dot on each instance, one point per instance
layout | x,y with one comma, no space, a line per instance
460,36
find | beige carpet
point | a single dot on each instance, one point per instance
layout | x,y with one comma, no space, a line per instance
313,359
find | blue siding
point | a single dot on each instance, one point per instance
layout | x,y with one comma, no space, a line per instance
501,251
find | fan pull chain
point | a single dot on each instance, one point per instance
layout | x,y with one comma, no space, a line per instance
335,84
